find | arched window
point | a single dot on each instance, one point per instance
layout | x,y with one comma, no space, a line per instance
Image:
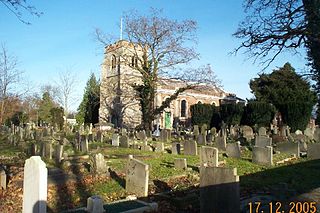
183,108
134,61
113,61
199,102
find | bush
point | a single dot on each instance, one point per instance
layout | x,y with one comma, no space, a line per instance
202,114
296,114
258,113
231,114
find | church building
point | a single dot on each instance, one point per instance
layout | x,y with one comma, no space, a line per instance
119,105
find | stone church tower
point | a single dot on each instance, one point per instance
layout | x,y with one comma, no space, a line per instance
118,103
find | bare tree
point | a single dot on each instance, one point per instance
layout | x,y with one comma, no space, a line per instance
17,7
65,86
157,47
9,78
274,26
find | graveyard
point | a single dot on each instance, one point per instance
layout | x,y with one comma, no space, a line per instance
198,170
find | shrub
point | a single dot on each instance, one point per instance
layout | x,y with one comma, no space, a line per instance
259,113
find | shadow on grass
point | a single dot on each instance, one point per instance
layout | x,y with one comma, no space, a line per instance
167,164
121,181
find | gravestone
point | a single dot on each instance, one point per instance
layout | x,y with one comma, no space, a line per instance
124,141
263,141
3,180
99,136
309,133
221,143
316,134
137,177
209,156
175,148
213,131
262,155
262,131
164,135
219,190
98,164
247,132
95,204
146,147
159,147
289,147
201,139
115,140
313,152
35,186
204,129
190,148
58,153
234,150
180,163
196,131
123,132
141,135
84,146
209,138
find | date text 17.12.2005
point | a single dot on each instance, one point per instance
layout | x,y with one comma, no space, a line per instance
278,207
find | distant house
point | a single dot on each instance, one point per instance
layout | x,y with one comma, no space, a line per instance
119,105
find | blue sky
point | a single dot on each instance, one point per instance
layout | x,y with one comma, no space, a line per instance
62,38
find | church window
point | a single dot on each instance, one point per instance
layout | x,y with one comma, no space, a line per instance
183,108
113,61
134,61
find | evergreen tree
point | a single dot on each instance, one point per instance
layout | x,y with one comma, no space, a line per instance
88,110
288,92
45,106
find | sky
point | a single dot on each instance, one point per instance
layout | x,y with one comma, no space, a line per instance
62,39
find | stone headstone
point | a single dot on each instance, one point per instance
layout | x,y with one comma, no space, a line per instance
175,148
289,147
3,180
234,150
201,139
124,141
115,140
190,148
95,205
262,155
141,135
196,130
84,146
137,177
263,141
213,131
180,163
146,147
313,152
99,136
204,129
58,153
209,156
309,133
221,143
247,132
219,190
98,164
35,186
123,131
316,134
262,131
164,135
159,147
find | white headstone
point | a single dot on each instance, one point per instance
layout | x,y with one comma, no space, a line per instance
35,186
